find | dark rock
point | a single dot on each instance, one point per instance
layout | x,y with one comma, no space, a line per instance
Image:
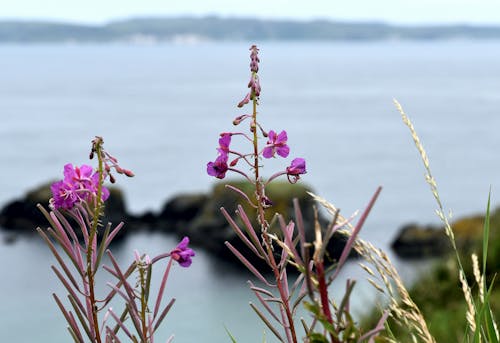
414,241
209,229
195,215
180,211
147,219
22,215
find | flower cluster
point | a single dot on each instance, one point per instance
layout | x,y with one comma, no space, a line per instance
254,83
276,142
79,184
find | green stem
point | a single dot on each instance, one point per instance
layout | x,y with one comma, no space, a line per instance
92,237
144,304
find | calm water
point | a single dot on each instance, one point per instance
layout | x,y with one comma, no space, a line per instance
160,109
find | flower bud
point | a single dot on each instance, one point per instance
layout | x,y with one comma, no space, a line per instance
245,100
137,256
238,120
266,201
128,173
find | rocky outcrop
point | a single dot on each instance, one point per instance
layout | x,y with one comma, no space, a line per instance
199,216
417,241
22,215
421,241
195,215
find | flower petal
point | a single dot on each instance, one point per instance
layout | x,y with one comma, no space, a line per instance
283,150
268,152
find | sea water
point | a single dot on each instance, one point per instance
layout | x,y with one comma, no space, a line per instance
160,109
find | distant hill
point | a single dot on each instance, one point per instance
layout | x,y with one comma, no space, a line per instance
150,30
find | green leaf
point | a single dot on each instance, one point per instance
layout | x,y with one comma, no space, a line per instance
488,317
482,319
316,311
486,233
317,338
102,246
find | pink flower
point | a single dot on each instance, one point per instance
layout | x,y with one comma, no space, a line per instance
64,195
297,167
182,253
79,184
224,141
276,144
219,167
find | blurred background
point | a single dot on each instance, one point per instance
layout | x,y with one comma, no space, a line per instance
160,80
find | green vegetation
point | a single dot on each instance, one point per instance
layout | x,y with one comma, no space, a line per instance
458,301
439,295
230,29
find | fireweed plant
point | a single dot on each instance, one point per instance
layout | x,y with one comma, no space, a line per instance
281,245
78,241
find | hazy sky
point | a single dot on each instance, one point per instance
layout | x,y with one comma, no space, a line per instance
396,11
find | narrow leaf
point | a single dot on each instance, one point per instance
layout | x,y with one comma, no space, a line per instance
164,313
240,233
162,287
247,264
268,324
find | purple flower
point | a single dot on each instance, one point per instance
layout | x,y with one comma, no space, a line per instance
219,167
79,184
297,167
276,144
64,195
224,141
182,253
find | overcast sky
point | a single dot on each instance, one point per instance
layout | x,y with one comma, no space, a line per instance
392,11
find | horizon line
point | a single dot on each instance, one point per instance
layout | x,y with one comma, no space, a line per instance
246,17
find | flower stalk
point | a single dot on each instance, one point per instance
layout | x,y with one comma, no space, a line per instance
80,196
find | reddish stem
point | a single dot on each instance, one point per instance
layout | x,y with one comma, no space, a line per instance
323,292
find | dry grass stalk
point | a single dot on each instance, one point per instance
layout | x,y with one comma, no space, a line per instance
428,176
478,277
440,212
471,312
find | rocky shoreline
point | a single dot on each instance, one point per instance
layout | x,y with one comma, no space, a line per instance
198,216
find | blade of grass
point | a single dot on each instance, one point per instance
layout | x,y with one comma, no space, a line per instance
233,340
486,233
